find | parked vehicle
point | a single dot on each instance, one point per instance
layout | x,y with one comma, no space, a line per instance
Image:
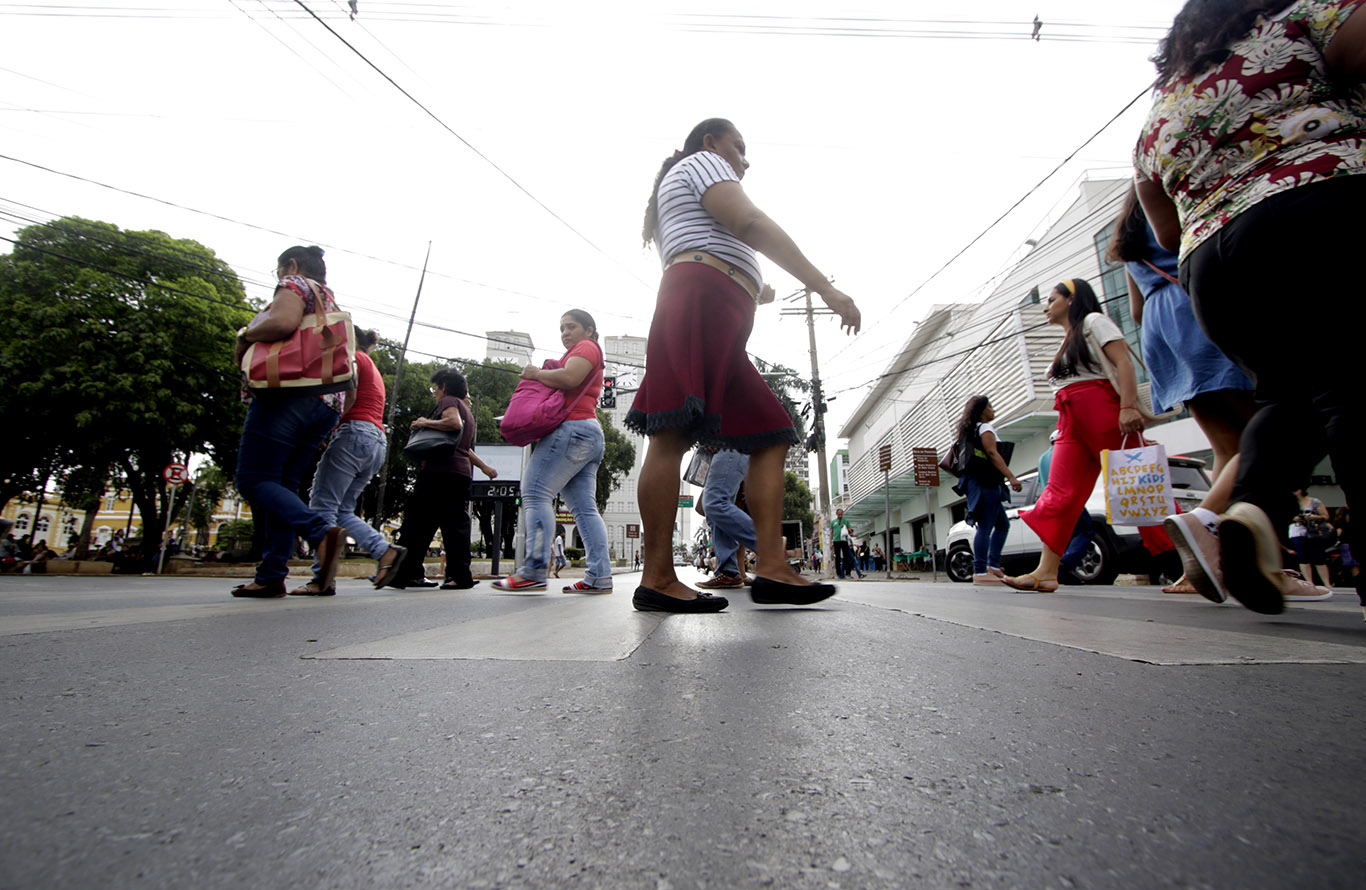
1114,549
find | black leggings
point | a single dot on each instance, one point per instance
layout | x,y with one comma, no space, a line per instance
1280,290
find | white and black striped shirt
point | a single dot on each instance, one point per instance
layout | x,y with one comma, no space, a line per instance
684,224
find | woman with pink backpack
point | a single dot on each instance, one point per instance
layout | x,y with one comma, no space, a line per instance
565,462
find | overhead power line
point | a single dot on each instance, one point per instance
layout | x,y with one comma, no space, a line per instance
485,158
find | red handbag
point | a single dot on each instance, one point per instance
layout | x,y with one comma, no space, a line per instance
319,357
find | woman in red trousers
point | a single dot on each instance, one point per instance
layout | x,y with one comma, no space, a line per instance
1092,416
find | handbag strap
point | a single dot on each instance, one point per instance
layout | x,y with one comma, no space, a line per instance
1163,272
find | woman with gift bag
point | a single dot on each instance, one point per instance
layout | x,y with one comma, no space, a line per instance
565,461
282,432
983,484
1093,415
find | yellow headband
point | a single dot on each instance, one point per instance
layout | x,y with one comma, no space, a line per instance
1071,288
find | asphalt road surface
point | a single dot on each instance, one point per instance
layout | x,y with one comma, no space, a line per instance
159,734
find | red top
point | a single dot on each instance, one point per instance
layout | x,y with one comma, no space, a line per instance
369,404
587,406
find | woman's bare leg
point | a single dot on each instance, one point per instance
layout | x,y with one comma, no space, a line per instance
658,498
1222,416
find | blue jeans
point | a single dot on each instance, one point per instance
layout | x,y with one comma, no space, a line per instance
989,516
566,463
352,459
731,527
279,438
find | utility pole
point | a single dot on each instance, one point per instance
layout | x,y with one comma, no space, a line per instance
818,432
393,402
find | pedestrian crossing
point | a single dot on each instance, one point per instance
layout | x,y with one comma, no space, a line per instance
1136,624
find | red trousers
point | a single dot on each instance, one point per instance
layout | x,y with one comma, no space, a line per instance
1088,422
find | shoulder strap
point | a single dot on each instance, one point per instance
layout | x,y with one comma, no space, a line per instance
1163,272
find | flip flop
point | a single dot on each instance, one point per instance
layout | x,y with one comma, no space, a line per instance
1036,586
387,573
1181,585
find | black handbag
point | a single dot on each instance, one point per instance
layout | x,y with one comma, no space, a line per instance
430,444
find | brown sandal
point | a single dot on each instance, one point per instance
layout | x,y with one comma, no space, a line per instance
1034,586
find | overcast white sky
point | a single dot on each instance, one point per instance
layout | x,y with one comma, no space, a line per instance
884,136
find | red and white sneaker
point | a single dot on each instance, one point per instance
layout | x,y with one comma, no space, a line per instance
585,587
518,583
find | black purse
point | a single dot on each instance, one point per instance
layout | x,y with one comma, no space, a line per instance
430,444
958,457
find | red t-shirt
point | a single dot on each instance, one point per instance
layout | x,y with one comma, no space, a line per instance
587,406
369,404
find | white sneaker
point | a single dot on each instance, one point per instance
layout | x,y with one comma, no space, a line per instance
1199,549
1298,590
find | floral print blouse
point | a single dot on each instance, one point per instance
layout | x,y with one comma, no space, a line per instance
1267,119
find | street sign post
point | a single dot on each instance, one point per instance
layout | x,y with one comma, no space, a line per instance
175,474
925,466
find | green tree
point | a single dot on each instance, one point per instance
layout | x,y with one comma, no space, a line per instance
491,386
618,457
118,351
784,382
797,502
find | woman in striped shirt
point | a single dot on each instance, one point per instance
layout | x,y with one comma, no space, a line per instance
699,385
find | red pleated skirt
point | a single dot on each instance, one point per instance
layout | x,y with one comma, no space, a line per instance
698,378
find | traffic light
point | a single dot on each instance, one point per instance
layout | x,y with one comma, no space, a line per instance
609,392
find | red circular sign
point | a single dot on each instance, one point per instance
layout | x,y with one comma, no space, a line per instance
176,474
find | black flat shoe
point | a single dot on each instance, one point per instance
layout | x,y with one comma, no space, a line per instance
451,585
647,600
418,582
768,592
271,591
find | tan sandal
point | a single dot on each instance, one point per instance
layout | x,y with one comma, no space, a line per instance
1034,585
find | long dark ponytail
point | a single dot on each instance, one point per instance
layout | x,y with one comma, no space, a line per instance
1129,241
972,415
712,126
1073,354
1202,33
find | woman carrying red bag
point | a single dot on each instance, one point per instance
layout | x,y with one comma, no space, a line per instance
565,461
282,432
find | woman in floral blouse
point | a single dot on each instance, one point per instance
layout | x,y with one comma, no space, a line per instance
1250,163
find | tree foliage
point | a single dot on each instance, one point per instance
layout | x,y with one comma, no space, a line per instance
797,502
117,353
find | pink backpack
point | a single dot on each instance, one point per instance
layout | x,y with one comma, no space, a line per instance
537,410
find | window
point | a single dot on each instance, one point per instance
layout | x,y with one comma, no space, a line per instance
21,522
1114,298
44,523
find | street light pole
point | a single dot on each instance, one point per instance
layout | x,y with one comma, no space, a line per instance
393,402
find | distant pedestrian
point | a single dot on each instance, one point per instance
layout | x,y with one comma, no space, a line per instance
841,533
983,484
732,529
558,551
